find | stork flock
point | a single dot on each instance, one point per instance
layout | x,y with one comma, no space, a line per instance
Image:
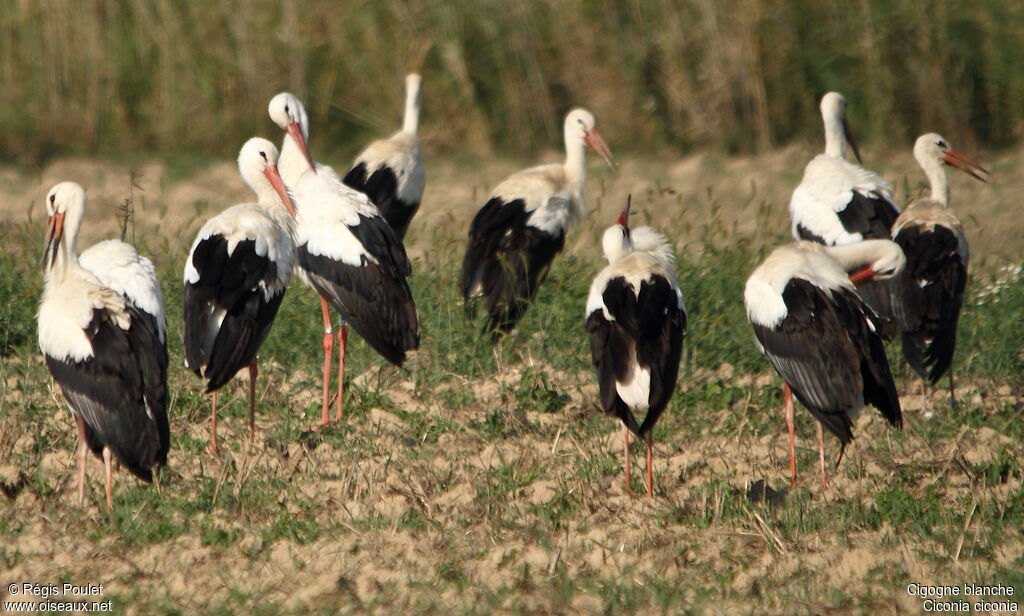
821,307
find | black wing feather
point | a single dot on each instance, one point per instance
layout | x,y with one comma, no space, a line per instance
828,353
382,188
509,258
650,322
929,294
121,392
374,298
232,283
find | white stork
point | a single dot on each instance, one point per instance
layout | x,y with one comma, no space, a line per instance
390,171
838,202
929,293
823,340
515,236
101,331
636,320
235,278
346,252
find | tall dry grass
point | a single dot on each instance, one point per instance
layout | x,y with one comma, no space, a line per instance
172,76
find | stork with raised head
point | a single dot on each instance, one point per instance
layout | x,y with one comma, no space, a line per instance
838,202
821,337
101,331
929,293
235,278
347,253
390,171
515,236
636,320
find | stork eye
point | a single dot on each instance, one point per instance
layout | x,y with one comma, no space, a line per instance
53,198
286,107
263,154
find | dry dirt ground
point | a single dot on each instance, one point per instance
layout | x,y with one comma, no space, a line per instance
422,504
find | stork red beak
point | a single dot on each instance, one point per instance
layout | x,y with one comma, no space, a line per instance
296,134
594,140
272,174
54,233
850,140
863,276
965,164
623,220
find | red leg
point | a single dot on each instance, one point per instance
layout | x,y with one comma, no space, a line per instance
83,451
253,373
650,464
625,440
109,476
328,349
342,344
787,395
821,454
213,427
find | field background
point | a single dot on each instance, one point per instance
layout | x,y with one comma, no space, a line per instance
481,479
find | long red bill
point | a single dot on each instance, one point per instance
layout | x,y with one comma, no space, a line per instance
961,161
862,276
594,140
851,141
296,134
272,174
53,236
623,220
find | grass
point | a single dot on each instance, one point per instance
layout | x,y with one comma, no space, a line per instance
479,478
175,78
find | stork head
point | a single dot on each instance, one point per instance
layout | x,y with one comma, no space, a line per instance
580,126
286,111
616,240
257,162
833,113
933,147
888,261
65,206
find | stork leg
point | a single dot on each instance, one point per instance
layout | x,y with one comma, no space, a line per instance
213,426
342,344
925,411
108,469
650,464
83,451
953,404
253,373
328,349
821,454
625,440
787,396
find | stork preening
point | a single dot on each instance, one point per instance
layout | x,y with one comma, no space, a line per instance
235,278
821,337
839,202
929,293
101,331
390,171
636,320
515,236
346,252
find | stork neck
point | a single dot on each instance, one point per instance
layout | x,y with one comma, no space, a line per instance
859,254
411,120
291,163
575,163
938,179
835,136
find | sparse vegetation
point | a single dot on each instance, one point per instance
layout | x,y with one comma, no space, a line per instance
480,478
